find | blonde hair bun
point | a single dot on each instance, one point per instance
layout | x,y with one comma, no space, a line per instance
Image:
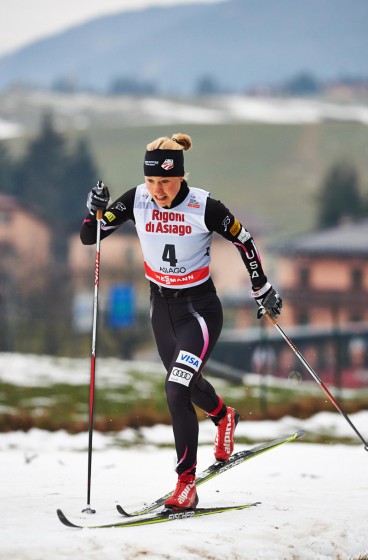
182,139
178,141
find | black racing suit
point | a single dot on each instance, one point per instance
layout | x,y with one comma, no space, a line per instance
186,323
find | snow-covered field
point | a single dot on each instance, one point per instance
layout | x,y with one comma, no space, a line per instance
313,497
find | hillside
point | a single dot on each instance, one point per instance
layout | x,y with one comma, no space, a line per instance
260,170
264,157
268,173
240,43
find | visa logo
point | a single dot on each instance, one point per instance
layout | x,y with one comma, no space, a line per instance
190,359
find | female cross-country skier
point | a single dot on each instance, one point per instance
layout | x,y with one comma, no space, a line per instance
174,223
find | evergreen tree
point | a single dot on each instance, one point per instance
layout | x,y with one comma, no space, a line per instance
81,175
41,172
6,171
302,84
339,197
207,85
54,181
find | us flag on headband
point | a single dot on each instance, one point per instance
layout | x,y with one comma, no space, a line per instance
168,164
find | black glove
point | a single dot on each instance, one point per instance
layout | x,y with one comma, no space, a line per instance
268,298
98,198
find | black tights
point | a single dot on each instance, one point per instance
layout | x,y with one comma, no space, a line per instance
186,330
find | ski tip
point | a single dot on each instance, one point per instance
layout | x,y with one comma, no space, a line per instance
300,433
65,521
122,511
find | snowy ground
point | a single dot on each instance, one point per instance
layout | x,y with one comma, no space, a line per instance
83,110
313,497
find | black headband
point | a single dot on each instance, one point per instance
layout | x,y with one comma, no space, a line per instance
164,163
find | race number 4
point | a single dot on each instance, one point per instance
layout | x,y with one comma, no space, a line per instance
169,254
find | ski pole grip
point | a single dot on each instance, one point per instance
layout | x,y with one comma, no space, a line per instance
100,188
263,311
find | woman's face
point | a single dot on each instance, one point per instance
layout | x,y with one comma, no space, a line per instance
163,190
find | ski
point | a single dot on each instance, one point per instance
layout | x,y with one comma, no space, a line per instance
217,468
158,517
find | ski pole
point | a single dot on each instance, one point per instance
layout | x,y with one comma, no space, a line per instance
263,311
99,215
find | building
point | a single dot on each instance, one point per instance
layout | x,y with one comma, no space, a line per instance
25,245
323,280
323,276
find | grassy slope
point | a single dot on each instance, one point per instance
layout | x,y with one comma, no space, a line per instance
272,171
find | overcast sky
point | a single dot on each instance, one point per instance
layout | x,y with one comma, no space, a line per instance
24,21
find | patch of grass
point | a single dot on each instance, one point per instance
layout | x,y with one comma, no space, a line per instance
63,406
67,406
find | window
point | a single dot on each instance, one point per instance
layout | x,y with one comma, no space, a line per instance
304,277
5,218
303,317
7,250
356,317
357,278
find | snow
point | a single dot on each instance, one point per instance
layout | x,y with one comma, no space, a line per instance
84,110
313,497
31,370
10,129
